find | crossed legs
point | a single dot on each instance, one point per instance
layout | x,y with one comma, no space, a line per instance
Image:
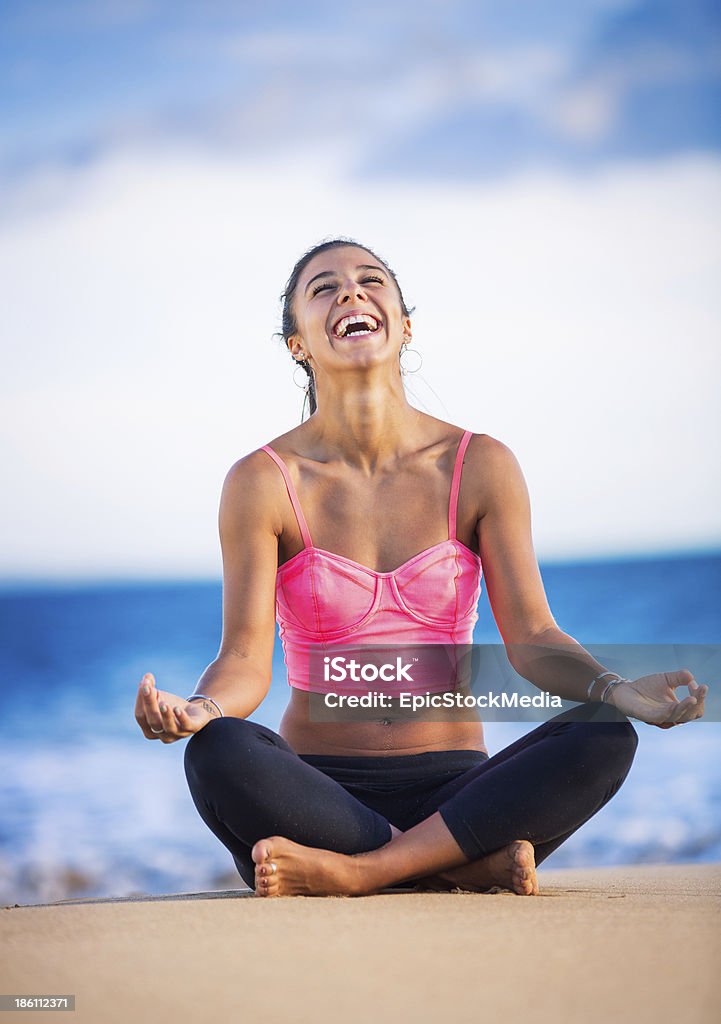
292,830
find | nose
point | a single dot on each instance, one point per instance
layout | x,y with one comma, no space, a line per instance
351,290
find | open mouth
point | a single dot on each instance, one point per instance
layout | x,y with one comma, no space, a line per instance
356,326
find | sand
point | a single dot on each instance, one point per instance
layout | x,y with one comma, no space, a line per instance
606,945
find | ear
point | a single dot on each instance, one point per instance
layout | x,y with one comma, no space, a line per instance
295,347
407,328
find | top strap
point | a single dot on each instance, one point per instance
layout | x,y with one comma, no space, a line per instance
305,532
456,484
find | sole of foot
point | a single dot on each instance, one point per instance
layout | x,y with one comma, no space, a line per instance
512,868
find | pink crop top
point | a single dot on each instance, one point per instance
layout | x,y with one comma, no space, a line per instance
324,600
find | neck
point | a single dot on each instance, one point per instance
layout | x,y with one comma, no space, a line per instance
366,421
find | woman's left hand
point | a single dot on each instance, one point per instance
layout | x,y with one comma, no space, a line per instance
652,699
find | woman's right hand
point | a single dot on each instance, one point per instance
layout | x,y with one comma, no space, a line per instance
165,716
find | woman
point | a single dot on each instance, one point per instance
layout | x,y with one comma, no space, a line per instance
369,523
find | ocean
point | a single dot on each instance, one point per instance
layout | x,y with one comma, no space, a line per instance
88,807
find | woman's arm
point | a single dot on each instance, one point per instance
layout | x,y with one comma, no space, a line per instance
537,648
514,585
239,677
249,525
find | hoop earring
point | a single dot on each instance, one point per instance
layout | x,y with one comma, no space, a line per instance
405,369
306,384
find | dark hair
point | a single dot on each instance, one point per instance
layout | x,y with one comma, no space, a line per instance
289,326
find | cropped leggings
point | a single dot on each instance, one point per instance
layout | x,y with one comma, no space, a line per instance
247,783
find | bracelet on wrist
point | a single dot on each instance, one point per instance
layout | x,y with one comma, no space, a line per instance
598,678
609,688
203,696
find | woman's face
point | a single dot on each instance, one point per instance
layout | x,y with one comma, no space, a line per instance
348,311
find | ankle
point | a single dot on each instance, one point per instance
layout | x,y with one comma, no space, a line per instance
364,875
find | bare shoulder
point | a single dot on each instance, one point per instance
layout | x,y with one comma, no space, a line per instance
489,452
483,451
254,488
495,470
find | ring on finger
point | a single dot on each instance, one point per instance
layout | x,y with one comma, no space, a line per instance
156,731
273,867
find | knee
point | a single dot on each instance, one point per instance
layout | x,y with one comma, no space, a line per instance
610,739
601,737
222,746
620,742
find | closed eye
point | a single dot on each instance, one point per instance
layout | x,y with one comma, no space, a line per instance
328,284
320,288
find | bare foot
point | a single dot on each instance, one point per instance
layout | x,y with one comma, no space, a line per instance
513,867
285,868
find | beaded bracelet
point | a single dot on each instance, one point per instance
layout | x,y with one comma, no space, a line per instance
203,696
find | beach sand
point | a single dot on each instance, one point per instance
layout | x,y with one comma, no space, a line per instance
640,944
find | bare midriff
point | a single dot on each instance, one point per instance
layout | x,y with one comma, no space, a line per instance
380,734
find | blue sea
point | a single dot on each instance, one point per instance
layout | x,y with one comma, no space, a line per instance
88,807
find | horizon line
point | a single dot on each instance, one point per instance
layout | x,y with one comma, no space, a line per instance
10,583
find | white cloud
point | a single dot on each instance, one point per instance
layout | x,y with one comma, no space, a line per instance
586,113
577,320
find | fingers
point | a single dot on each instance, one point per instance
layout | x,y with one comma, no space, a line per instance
183,720
681,677
691,707
686,710
678,712
139,707
152,714
170,725
698,691
145,710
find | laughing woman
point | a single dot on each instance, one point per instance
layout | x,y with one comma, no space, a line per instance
369,524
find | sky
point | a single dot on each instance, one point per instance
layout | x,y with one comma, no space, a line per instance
544,178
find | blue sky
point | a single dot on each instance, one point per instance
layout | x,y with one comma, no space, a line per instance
545,179
443,89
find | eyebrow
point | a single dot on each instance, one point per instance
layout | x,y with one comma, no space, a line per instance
331,273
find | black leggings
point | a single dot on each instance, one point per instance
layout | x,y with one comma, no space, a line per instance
247,783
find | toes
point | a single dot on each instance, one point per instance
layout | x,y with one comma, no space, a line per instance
524,868
523,886
261,852
266,887
266,869
266,881
522,852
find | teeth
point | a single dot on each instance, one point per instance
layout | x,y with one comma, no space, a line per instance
345,323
